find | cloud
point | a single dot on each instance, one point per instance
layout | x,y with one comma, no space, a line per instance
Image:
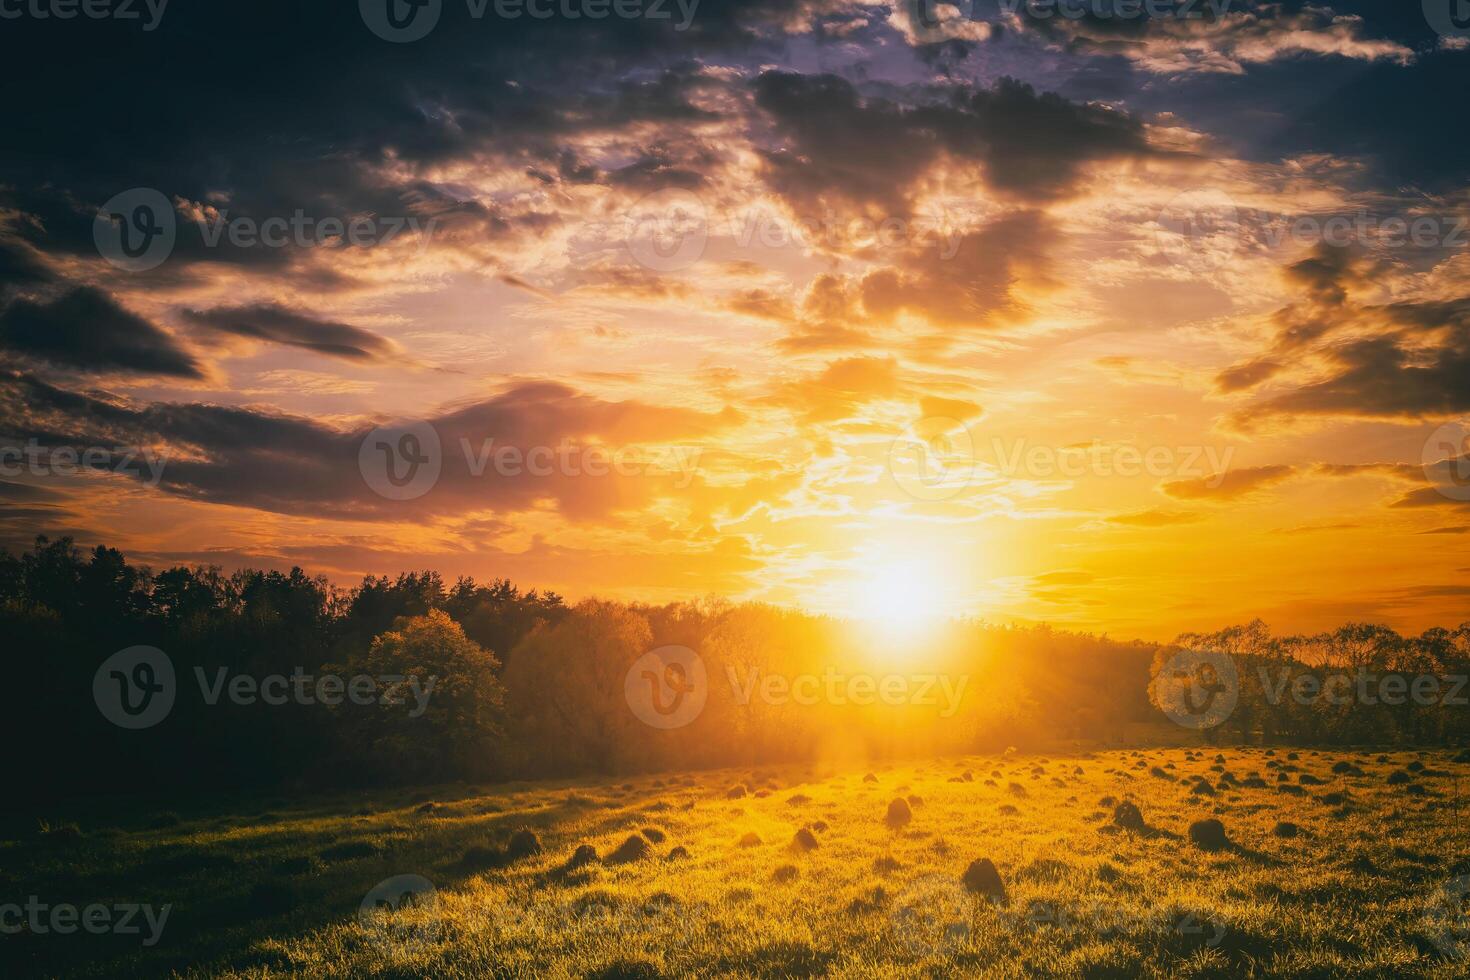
275,324
1325,279
1155,518
1434,591
949,408
982,280
20,266
846,151
294,465
840,389
1379,378
1210,43
1064,578
1400,471
1247,375
86,330
1231,485
1314,528
1430,496
1405,360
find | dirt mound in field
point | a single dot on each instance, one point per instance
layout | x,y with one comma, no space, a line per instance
899,814
523,844
1209,835
584,855
1127,816
981,878
635,848
804,840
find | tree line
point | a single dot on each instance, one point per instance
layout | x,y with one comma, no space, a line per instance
1359,684
521,684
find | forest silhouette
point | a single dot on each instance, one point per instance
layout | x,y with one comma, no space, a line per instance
526,685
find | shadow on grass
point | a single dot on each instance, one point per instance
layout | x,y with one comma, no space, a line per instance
227,889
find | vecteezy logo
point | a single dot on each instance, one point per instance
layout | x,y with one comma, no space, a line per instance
1198,689
932,916
669,230
667,687
135,230
933,459
1450,18
1447,918
401,913
1446,459
401,462
400,21
134,688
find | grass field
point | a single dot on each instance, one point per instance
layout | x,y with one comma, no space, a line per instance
722,880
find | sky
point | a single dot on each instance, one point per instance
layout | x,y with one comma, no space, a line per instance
1136,318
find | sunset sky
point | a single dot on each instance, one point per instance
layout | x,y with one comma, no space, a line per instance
788,262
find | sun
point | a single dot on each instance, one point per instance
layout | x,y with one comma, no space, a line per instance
904,597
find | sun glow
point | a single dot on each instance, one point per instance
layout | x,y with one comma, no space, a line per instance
901,598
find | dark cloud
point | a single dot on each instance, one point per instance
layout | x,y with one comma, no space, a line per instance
842,149
1414,365
293,465
1379,378
1323,274
1209,37
20,266
1324,279
27,509
27,493
1248,374
278,325
85,329
355,126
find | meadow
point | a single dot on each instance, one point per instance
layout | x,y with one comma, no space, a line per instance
1103,864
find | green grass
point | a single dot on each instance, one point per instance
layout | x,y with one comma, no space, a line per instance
273,887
